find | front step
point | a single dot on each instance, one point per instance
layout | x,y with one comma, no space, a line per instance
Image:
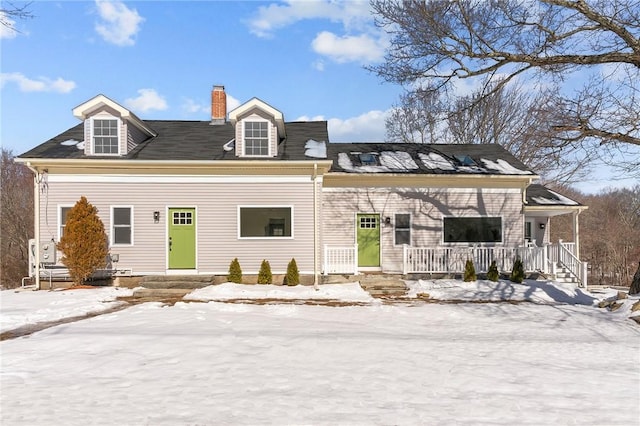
190,282
383,286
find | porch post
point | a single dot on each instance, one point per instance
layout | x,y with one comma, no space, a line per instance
576,232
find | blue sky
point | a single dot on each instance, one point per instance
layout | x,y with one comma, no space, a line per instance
160,59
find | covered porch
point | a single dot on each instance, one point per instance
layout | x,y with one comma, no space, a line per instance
550,259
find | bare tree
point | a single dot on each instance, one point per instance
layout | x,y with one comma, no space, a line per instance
437,43
610,233
10,11
16,220
419,118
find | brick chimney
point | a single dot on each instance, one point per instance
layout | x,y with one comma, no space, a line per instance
218,105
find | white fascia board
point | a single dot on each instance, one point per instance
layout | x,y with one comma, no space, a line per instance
97,178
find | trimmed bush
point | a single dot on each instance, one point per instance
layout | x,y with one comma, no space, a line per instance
293,274
235,272
517,273
469,271
84,244
265,276
492,273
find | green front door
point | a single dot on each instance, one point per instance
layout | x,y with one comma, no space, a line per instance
368,234
182,238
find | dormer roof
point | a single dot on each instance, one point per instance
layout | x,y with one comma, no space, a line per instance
95,104
255,103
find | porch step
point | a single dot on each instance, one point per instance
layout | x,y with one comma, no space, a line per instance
189,282
381,286
564,276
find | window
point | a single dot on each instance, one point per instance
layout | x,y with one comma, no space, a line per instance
369,159
528,236
63,211
402,229
265,222
369,222
256,138
472,229
105,136
182,218
122,225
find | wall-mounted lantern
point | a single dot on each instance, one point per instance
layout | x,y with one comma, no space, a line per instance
387,221
156,217
541,226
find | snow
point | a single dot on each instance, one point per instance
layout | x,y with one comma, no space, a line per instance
436,161
397,160
315,149
26,308
344,292
557,200
559,360
504,167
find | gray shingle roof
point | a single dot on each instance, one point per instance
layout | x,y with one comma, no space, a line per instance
199,140
539,195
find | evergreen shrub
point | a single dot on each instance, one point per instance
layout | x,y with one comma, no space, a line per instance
293,274
517,273
492,273
469,271
235,272
84,244
265,276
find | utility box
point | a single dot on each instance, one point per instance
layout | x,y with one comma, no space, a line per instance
48,253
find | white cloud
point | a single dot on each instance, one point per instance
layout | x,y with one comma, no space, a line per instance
7,26
318,65
148,100
192,107
41,84
360,48
352,14
367,127
119,23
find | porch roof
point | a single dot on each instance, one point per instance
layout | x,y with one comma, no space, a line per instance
541,201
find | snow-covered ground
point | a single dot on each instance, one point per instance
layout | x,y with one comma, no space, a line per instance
558,360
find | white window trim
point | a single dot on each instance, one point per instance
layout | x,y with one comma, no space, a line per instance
262,206
467,244
59,214
410,228
91,140
269,134
112,226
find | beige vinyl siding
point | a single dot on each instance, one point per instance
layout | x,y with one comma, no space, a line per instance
427,208
216,221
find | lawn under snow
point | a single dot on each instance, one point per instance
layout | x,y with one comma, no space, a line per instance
558,360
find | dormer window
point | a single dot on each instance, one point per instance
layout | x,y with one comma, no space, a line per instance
256,138
105,138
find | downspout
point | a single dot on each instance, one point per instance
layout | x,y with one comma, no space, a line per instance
315,226
36,221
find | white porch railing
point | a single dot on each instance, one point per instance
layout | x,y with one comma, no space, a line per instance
340,260
443,260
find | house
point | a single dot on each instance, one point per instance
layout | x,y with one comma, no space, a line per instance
186,197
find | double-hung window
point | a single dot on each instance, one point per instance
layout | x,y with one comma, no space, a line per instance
122,225
63,211
473,229
402,224
256,138
105,136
